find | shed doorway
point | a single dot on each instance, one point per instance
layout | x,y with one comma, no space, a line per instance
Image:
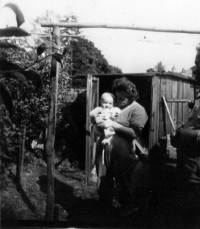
98,84
143,85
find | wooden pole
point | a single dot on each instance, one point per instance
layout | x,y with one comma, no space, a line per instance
168,112
108,26
88,128
50,35
51,129
20,165
18,174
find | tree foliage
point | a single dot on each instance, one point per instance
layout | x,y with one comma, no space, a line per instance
86,58
25,78
24,82
160,67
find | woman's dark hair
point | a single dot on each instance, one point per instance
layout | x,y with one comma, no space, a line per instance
126,87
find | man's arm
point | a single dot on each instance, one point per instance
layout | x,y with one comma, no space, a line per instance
186,137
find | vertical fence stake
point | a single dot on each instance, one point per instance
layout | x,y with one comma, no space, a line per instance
51,129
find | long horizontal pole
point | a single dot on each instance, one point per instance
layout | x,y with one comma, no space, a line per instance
49,35
107,26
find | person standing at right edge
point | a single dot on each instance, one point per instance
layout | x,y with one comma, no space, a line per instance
187,142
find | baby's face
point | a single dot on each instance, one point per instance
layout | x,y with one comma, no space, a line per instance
107,102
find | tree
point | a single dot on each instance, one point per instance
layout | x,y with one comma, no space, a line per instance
27,103
173,68
83,58
160,67
6,66
50,16
8,70
86,58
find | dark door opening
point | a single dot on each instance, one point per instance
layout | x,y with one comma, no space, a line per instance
143,85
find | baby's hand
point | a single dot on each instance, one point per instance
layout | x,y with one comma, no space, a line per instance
98,120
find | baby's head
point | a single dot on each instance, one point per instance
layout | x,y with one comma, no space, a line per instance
107,100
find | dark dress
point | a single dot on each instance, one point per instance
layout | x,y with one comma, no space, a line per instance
120,161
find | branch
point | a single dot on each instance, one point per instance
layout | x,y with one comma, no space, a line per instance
25,68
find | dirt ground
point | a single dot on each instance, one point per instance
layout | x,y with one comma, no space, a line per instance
76,203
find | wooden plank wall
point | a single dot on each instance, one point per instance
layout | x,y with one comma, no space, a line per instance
177,92
180,94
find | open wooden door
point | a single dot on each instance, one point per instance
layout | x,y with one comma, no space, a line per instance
92,101
154,112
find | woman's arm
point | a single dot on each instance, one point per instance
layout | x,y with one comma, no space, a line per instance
123,130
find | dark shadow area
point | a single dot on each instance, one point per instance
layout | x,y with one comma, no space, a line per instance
168,208
63,193
75,175
143,85
83,212
161,206
74,117
25,198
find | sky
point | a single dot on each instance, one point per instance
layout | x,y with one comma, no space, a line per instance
130,50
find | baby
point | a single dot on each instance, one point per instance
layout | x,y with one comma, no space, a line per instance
105,112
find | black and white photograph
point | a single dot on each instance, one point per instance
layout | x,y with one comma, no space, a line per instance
100,114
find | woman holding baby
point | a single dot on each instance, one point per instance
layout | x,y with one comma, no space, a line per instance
119,162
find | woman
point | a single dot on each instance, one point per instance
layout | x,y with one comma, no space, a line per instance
119,159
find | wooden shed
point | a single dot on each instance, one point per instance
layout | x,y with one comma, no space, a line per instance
176,89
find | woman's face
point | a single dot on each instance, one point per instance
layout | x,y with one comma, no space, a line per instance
122,101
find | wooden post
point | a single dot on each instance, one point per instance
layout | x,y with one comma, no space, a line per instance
88,128
92,102
21,156
18,169
23,150
168,112
51,129
111,26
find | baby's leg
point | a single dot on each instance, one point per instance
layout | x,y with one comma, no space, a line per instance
107,140
109,132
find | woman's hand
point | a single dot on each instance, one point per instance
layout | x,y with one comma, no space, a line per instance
106,124
123,130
